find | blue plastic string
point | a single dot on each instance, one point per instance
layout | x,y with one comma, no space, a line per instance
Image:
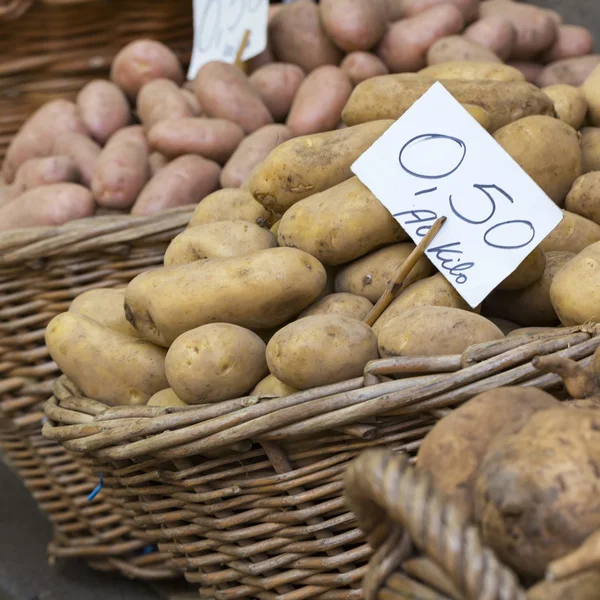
97,489
149,549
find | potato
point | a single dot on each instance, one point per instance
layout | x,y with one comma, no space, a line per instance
277,84
527,273
142,61
297,36
157,162
472,71
453,450
333,88
479,114
431,291
122,169
547,150
536,29
340,224
320,350
569,103
161,100
503,325
319,161
433,331
584,198
572,234
405,43
529,69
369,275
346,305
572,71
225,92
390,96
271,386
494,33
47,205
214,139
166,397
354,24
192,102
36,137
455,48
105,365
229,205
362,65
537,486
44,171
103,108
82,150
530,331
572,41
575,289
185,180
251,152
214,362
530,306
259,291
105,306
590,149
222,239
468,8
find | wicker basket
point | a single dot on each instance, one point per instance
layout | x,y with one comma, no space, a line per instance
51,48
41,271
248,493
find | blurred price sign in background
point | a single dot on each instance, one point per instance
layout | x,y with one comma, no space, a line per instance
220,27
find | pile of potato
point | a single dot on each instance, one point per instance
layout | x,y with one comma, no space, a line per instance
147,140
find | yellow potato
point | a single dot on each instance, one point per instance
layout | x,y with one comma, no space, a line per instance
479,114
548,151
271,386
222,239
591,91
310,164
369,275
259,291
584,197
472,71
433,331
590,149
528,272
215,362
346,305
166,398
321,349
569,103
105,365
339,224
572,234
106,306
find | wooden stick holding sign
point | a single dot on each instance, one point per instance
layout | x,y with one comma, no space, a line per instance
395,284
238,57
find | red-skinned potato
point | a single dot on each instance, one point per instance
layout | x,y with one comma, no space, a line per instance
43,171
572,71
159,100
495,33
572,41
362,65
82,150
277,84
455,48
468,8
531,70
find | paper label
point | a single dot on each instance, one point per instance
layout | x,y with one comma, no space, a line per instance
219,27
437,160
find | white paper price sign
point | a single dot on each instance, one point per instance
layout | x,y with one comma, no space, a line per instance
437,160
219,27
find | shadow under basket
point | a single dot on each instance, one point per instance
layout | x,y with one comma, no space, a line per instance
41,272
248,494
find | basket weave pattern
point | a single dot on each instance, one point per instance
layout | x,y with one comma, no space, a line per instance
248,493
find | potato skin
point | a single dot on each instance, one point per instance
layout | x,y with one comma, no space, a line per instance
527,273
468,8
222,239
296,35
534,143
142,61
575,289
214,362
571,41
390,96
185,180
122,169
572,234
105,306
166,397
590,149
369,275
320,350
44,171
362,65
229,205
105,365
251,151
47,205
569,103
320,161
161,100
529,69
457,48
276,284
494,33
466,70
343,304
433,331
271,386
82,150
340,224
225,92
583,586
333,88
572,71
277,84
354,24
157,162
104,109
583,198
